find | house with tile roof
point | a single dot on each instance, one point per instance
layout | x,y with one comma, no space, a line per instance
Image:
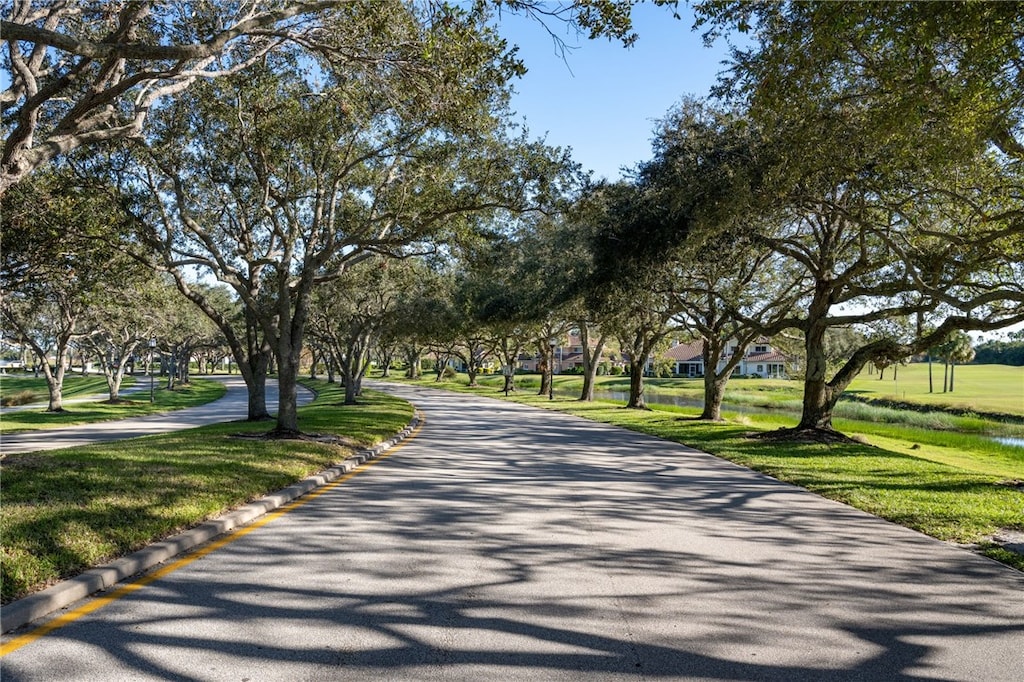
760,360
568,357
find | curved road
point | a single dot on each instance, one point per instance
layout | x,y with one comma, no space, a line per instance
509,542
231,406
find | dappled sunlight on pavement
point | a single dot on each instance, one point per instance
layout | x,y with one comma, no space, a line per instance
507,542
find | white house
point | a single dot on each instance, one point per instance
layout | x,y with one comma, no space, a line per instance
760,360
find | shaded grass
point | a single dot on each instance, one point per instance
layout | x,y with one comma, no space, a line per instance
75,386
66,510
952,486
197,392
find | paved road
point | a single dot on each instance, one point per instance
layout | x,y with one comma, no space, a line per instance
506,542
233,405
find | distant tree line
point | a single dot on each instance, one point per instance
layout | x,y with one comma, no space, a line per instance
1001,352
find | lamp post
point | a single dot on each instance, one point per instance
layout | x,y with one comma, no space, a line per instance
152,349
551,368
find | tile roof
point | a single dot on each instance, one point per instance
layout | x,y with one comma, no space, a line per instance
770,356
685,352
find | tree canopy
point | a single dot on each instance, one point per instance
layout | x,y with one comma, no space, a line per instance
85,73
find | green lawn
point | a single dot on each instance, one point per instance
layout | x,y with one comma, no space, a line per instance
959,487
75,386
979,388
197,392
67,510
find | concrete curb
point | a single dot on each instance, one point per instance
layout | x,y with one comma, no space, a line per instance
63,594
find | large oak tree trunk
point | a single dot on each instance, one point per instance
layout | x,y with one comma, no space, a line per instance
819,398
289,351
545,365
413,356
636,384
591,361
714,393
256,385
715,380
817,406
54,385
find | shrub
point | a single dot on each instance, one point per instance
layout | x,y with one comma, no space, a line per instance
449,373
20,398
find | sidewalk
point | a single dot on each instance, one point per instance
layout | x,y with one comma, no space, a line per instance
233,406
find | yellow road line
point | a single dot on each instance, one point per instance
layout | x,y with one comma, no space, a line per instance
123,591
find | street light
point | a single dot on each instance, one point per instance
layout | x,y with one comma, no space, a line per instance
551,368
152,349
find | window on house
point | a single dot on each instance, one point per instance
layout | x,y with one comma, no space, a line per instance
760,368
760,349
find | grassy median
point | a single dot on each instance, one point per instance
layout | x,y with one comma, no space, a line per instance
64,511
958,487
32,389
196,392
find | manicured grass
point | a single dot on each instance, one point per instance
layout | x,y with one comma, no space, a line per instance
952,486
75,386
67,510
197,392
978,388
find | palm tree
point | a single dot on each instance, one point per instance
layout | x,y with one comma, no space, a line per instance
961,352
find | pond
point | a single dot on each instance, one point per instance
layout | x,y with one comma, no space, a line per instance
667,399
679,401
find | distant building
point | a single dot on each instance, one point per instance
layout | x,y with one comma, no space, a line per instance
568,357
760,360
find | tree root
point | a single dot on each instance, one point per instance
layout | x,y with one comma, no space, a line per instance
288,434
808,435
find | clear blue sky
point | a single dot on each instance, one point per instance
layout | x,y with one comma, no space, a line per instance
602,100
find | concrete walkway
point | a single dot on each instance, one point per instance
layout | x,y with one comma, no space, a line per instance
506,542
232,406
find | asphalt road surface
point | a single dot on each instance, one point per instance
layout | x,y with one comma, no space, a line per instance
232,405
506,542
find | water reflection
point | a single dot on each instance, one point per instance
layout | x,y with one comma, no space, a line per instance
669,399
679,401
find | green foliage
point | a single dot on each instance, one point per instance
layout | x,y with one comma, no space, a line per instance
60,240
881,179
1000,353
929,81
